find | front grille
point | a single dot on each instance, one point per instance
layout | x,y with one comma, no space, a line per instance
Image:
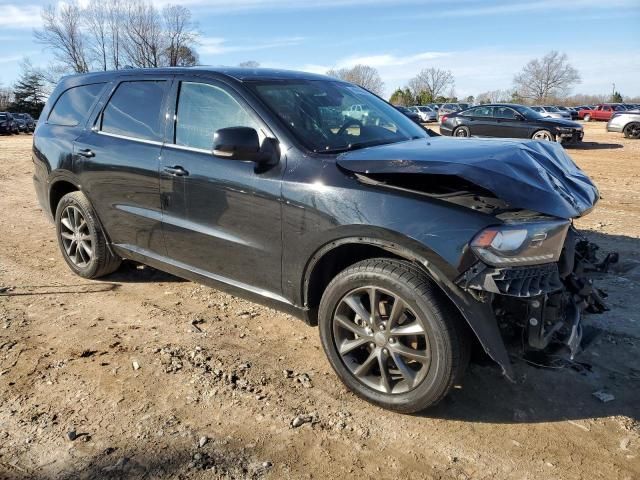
514,281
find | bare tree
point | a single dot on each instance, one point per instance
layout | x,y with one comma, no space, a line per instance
62,32
96,16
180,35
363,75
552,76
249,64
115,20
6,97
144,41
432,81
495,96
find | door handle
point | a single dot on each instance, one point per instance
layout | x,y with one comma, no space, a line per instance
177,171
86,153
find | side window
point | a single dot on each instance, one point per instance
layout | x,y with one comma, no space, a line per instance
484,111
72,107
472,112
134,110
505,113
203,109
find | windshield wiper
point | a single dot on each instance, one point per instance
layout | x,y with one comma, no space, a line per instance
359,145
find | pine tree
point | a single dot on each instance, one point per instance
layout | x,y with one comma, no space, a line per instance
29,91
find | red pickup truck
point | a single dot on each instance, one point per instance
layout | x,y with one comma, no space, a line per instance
603,111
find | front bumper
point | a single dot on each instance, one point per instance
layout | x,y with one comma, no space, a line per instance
571,137
613,126
542,304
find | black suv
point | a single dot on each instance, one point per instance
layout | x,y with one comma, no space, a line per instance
510,121
402,246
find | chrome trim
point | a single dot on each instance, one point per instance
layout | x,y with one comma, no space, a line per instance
188,149
125,137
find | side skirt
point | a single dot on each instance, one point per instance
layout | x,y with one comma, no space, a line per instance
232,287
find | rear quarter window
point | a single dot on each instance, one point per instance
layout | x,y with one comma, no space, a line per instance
72,107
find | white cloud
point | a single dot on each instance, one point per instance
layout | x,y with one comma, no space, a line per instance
25,16
217,46
479,70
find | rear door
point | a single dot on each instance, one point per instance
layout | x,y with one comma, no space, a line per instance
118,162
480,121
222,218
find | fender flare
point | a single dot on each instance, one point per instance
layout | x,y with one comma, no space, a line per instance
479,316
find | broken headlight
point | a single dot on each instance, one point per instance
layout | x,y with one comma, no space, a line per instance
518,244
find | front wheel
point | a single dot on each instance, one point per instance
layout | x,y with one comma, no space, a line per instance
391,336
81,240
587,118
462,132
544,135
632,130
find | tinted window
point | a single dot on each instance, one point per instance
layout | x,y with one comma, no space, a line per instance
134,110
73,105
203,109
504,112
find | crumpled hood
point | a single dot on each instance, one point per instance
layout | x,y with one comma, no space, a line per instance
532,175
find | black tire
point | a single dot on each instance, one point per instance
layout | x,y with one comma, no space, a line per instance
461,132
447,335
632,130
100,261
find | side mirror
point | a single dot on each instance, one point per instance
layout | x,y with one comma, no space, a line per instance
520,117
237,143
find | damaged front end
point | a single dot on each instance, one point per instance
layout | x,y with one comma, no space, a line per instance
543,303
527,274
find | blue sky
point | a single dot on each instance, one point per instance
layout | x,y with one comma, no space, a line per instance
484,43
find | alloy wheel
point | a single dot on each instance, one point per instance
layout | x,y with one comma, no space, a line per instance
76,237
633,130
542,135
382,342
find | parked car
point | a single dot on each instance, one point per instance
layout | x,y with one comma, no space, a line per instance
509,121
6,123
410,113
603,111
359,112
573,114
11,125
402,246
448,108
426,114
27,123
626,122
550,111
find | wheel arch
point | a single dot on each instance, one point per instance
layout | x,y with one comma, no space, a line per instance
58,189
339,254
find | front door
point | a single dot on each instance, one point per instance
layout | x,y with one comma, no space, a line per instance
510,123
221,218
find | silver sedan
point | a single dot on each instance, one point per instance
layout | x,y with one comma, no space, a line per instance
626,122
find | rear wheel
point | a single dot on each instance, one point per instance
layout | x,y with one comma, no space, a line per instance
543,135
81,239
632,130
462,132
390,335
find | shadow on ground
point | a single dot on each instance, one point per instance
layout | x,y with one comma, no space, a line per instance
592,146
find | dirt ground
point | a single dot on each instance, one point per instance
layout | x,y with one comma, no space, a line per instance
163,378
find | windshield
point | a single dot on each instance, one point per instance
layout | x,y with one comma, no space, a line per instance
330,116
528,113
